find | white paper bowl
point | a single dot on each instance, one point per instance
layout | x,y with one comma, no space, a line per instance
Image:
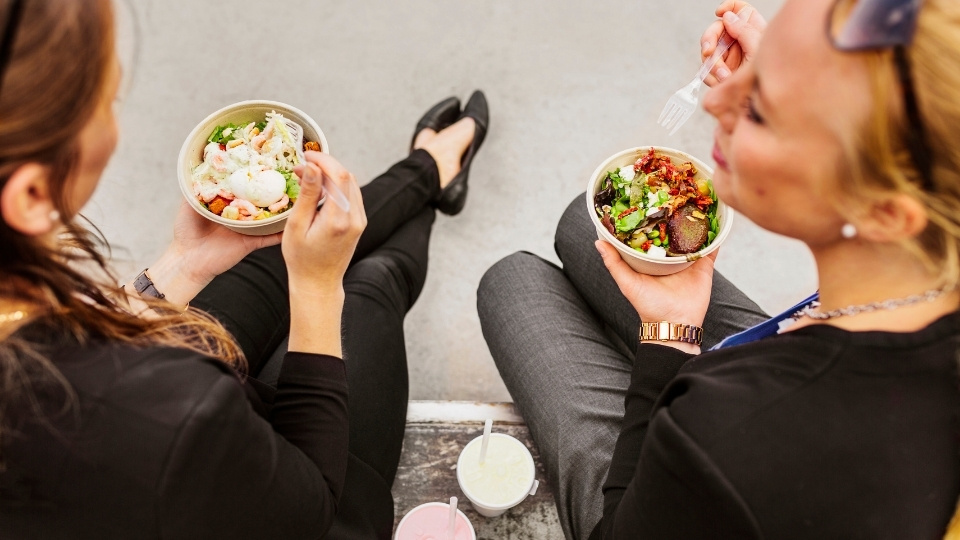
191,155
641,262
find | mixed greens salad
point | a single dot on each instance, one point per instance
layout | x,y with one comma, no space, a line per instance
247,169
657,207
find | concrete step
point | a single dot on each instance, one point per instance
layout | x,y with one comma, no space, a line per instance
436,432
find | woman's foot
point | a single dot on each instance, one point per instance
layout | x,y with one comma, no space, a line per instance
447,147
454,195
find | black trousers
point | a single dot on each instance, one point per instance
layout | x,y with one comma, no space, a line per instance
382,283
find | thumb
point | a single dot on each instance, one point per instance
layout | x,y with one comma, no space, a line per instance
619,270
305,209
742,27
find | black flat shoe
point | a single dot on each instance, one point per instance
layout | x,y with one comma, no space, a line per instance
438,117
454,196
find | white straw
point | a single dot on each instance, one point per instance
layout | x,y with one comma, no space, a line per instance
487,427
452,525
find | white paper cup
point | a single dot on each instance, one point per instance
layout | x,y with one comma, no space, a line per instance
488,508
641,262
191,155
407,529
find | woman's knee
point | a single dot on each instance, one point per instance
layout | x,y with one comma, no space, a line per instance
377,277
575,232
501,284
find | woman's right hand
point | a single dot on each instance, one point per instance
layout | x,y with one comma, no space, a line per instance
317,247
744,24
318,244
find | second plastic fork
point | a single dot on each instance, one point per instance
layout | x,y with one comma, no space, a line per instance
680,106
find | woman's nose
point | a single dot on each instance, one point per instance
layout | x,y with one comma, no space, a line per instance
722,105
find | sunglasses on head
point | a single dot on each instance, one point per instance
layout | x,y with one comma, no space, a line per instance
885,24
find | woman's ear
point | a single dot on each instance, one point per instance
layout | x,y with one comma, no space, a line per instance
26,205
893,219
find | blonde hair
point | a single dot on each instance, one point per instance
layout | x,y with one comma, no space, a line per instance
879,162
65,48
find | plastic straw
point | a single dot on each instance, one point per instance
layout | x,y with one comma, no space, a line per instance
452,523
487,427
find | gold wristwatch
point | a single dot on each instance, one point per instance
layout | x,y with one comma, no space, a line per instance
668,331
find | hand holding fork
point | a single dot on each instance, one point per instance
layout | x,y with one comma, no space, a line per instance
747,25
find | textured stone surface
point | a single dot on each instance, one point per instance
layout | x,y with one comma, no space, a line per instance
428,474
569,83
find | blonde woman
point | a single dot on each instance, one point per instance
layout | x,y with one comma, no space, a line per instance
840,128
123,414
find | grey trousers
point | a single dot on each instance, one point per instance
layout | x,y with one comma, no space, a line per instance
564,340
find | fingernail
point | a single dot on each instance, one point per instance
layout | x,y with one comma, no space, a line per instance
722,73
730,17
705,46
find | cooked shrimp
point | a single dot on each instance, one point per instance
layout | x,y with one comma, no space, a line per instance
257,142
245,207
279,205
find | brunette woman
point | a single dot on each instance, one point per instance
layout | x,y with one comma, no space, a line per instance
124,412
840,129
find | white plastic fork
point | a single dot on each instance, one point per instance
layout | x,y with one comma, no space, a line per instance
680,106
296,131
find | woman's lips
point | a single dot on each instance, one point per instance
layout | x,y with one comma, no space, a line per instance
718,157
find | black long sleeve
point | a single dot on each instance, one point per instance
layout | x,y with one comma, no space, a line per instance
817,433
164,443
229,468
655,366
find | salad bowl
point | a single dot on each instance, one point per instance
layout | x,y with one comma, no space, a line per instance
191,155
639,261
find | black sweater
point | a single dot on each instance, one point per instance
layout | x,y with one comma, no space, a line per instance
164,443
816,433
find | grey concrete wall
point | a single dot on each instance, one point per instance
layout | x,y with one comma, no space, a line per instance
569,83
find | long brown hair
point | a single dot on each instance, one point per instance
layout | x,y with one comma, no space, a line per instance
54,82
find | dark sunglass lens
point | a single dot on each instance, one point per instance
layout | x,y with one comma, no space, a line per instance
878,24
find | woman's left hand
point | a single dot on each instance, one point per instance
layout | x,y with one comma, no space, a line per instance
678,298
201,250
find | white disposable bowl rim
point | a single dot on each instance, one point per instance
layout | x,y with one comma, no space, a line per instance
186,188
473,531
498,507
604,167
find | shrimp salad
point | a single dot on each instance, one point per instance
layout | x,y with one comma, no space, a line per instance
657,207
247,170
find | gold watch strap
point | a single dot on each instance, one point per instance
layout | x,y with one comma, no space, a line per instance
668,331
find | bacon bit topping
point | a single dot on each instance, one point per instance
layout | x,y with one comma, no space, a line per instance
223,147
646,245
674,192
627,212
663,229
703,202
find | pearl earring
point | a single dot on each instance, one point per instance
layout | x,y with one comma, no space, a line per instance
54,215
848,231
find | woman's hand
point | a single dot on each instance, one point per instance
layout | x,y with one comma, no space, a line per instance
318,244
201,250
317,247
743,23
678,298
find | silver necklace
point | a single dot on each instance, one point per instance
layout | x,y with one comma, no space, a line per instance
813,311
